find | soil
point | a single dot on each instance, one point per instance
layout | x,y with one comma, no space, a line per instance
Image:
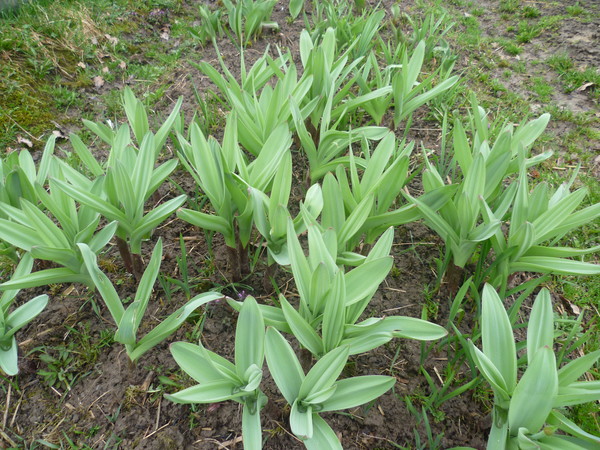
105,401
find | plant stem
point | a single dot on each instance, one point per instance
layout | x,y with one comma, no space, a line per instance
234,264
138,266
243,257
125,254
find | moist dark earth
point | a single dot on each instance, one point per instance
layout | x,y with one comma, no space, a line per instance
104,401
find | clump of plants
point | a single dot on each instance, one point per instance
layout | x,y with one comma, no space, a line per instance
334,234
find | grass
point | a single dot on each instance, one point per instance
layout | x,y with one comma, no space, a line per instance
574,78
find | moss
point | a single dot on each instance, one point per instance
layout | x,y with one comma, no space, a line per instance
23,109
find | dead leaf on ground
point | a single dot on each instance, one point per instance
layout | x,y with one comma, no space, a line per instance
113,40
122,65
98,82
22,140
81,64
584,86
105,69
59,134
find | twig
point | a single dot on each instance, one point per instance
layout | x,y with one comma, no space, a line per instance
7,405
7,439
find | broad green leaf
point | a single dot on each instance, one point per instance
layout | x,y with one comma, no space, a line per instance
352,392
272,315
301,329
24,314
251,427
301,420
364,280
491,373
210,392
205,221
334,314
169,325
126,333
194,361
324,373
151,220
497,336
103,207
283,365
576,368
105,287
540,329
300,267
558,266
572,428
9,359
533,398
45,277
323,436
19,235
355,221
146,284
364,342
249,337
577,393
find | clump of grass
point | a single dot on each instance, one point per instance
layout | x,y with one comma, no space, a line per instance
575,10
542,88
572,77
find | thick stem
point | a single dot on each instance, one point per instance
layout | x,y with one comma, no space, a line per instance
125,254
244,262
138,266
454,277
234,264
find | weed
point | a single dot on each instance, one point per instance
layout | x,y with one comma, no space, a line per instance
542,88
575,10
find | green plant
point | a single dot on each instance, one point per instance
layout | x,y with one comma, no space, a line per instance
295,7
362,205
127,179
541,217
11,322
464,222
318,391
229,181
408,93
526,412
332,301
247,18
128,320
258,116
221,380
32,230
210,24
326,134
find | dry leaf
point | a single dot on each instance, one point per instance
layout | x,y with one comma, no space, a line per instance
98,82
122,65
105,70
113,40
94,40
22,140
81,64
583,87
59,134
164,35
